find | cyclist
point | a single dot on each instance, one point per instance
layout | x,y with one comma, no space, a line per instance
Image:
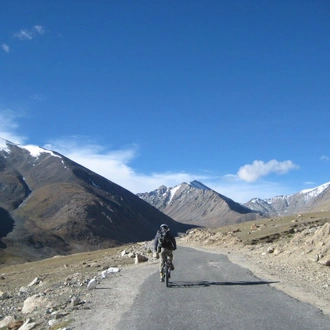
164,244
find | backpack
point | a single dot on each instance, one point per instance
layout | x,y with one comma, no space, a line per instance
163,239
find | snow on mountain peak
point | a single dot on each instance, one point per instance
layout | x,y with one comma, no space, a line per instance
37,151
173,191
314,192
3,145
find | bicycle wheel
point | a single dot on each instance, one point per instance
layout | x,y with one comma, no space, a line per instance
166,273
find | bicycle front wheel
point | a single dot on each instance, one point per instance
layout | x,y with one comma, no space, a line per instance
167,273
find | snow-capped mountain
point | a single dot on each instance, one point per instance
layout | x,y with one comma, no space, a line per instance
195,203
51,205
308,200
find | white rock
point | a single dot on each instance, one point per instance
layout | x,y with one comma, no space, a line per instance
33,302
27,325
104,274
51,323
35,281
113,270
91,284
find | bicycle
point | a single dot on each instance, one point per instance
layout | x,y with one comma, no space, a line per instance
167,268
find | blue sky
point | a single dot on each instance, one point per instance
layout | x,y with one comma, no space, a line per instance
234,94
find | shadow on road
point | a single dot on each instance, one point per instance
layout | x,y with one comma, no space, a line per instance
182,284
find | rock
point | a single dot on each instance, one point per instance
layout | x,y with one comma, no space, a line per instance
32,303
3,295
7,320
75,301
15,325
140,258
91,284
51,323
104,274
34,282
113,270
254,226
270,249
27,325
23,289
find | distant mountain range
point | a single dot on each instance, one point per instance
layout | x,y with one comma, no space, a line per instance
194,203
308,200
51,205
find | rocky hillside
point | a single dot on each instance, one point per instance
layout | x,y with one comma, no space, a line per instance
195,204
52,205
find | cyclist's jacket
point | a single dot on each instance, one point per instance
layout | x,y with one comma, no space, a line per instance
168,243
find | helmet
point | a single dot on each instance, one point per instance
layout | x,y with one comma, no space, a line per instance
164,227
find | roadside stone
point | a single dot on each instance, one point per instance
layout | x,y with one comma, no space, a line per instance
91,284
3,295
75,301
270,249
15,325
32,303
27,325
140,258
34,282
6,321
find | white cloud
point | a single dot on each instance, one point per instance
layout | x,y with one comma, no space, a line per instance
325,158
29,34
253,172
114,164
8,126
24,35
39,29
5,47
242,192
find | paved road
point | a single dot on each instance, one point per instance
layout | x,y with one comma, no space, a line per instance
209,292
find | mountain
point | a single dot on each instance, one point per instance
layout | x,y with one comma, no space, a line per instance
51,205
308,200
195,204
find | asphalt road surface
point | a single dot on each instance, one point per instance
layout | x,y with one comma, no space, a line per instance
207,291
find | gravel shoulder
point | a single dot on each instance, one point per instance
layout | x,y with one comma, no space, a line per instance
113,297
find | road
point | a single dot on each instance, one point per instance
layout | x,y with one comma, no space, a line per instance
207,291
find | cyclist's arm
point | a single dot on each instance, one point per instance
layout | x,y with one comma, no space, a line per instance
156,242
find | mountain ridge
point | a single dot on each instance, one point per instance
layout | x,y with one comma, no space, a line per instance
195,203
52,205
307,200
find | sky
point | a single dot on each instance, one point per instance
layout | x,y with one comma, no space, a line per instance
232,93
